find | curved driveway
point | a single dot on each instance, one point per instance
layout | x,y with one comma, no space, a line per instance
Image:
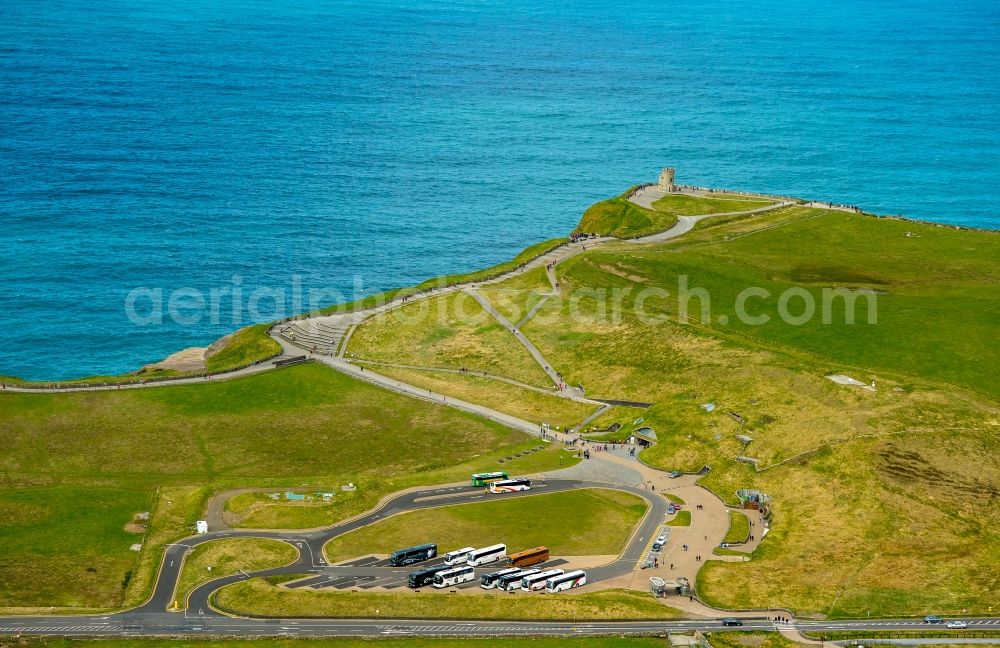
152,619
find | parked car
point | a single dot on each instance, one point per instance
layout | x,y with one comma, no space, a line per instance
957,625
674,474
732,621
933,618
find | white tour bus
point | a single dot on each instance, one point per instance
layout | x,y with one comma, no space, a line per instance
486,555
489,581
458,556
567,581
455,576
513,581
510,485
537,581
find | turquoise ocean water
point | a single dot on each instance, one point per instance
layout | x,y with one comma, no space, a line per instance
184,144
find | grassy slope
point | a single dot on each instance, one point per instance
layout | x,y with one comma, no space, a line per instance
76,467
263,513
504,397
602,521
618,217
916,540
836,250
452,331
248,345
228,556
257,597
515,297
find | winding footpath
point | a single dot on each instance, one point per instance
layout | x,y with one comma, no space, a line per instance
324,339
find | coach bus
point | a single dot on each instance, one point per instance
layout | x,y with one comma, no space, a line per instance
537,581
410,555
511,485
423,577
529,557
454,576
487,478
489,581
458,556
567,581
487,555
513,581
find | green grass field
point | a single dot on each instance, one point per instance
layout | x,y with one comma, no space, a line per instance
228,556
934,363
452,331
521,402
739,528
685,205
575,523
257,597
257,511
78,466
680,519
868,260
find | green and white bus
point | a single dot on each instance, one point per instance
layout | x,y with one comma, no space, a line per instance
485,479
569,580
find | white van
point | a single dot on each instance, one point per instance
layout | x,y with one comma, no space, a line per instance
458,556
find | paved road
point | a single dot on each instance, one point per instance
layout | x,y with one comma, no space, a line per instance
199,619
311,560
176,624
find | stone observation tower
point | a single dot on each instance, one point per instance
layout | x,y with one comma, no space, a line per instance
667,179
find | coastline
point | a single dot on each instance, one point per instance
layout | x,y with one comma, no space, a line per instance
185,364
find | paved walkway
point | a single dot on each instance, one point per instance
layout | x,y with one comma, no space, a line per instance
646,196
597,470
709,525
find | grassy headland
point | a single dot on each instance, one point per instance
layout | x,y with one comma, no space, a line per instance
868,515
